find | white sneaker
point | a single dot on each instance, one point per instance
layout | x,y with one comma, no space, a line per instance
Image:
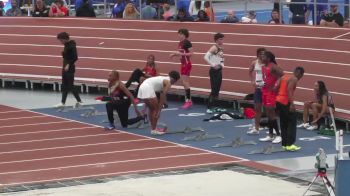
304,125
253,132
277,140
60,105
266,139
78,105
311,128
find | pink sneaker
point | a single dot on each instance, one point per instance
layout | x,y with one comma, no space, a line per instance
158,131
187,105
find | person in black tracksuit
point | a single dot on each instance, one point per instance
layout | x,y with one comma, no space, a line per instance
215,58
120,101
70,56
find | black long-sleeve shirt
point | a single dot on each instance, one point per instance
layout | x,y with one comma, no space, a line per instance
70,55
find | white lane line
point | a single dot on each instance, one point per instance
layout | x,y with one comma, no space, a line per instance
74,146
90,154
162,31
171,41
106,163
125,172
61,138
33,124
12,111
22,118
49,131
336,37
163,51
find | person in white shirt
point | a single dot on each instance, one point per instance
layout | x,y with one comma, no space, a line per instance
147,93
215,58
250,18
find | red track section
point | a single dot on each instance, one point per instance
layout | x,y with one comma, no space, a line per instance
28,46
45,148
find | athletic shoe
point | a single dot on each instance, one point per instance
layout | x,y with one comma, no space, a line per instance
311,128
158,131
60,105
293,148
165,105
78,105
110,127
220,110
266,139
277,140
253,132
187,105
210,111
303,125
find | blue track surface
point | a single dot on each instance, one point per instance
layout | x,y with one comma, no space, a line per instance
178,119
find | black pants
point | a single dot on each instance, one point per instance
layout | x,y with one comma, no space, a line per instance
288,123
68,86
298,19
215,84
135,77
122,108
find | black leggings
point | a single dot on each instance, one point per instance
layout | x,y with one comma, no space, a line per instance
122,108
67,86
288,123
135,77
215,84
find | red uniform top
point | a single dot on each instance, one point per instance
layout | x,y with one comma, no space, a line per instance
63,9
282,95
149,70
269,79
184,47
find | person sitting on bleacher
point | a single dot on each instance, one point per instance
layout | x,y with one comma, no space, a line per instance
202,16
118,9
333,18
167,13
57,9
275,17
230,17
250,18
14,11
2,10
149,12
321,106
181,16
40,9
130,12
86,10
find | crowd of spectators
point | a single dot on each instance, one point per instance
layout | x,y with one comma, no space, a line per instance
186,10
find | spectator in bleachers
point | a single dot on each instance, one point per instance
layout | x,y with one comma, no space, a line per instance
298,11
167,13
202,16
250,18
79,3
57,9
195,6
118,9
333,19
321,9
230,17
209,10
40,9
86,10
181,16
320,106
130,12
275,17
14,11
2,10
148,12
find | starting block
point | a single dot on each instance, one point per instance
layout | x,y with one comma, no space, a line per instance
203,136
187,130
269,149
69,108
238,142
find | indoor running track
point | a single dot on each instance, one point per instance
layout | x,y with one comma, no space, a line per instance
38,148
